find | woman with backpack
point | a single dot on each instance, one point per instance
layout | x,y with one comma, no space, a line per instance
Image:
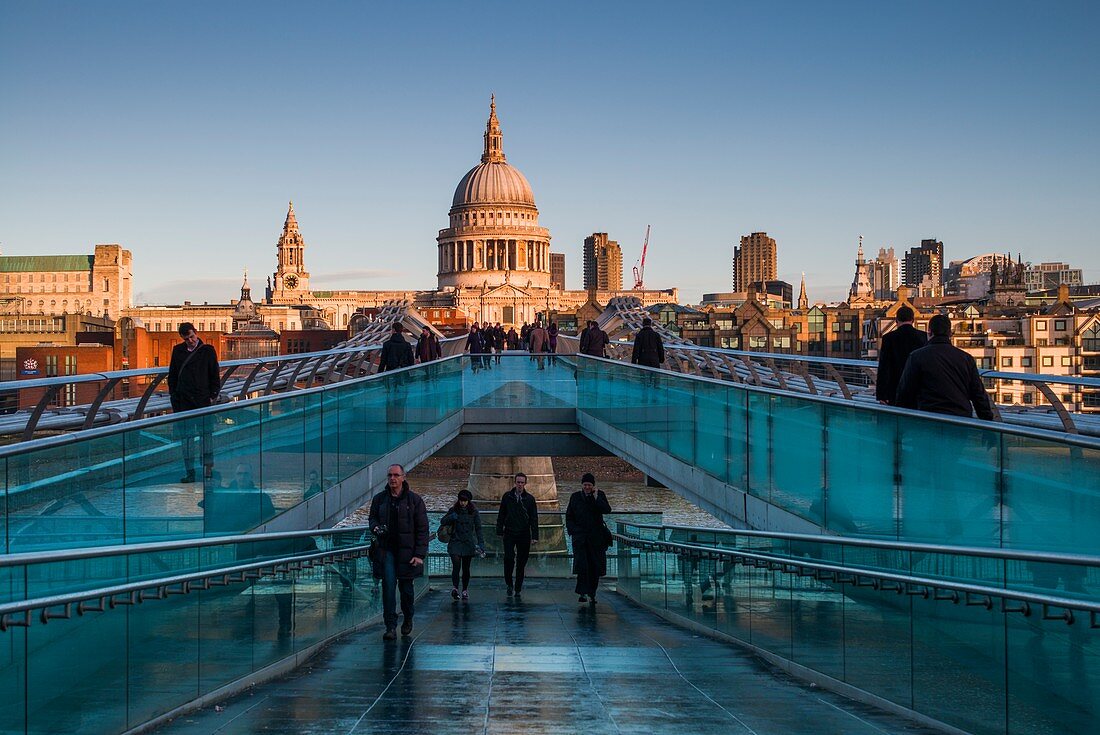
464,539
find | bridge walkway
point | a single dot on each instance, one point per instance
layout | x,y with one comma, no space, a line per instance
543,664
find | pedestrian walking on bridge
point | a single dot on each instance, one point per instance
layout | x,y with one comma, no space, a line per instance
591,537
464,540
518,527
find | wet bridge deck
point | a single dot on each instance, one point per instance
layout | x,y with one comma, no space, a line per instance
541,665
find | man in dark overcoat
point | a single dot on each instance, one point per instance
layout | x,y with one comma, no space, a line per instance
896,348
585,525
399,522
649,350
194,380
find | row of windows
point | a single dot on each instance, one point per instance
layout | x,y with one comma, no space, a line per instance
65,277
473,218
1047,361
1029,399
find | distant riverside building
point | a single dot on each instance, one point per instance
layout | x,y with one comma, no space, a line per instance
1043,276
922,268
52,330
100,284
603,263
779,289
885,274
757,326
754,260
970,278
557,270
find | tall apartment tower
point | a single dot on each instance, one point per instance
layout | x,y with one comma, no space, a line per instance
603,263
754,260
922,261
557,270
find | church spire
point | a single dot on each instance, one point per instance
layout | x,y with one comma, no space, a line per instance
803,301
494,139
246,290
291,224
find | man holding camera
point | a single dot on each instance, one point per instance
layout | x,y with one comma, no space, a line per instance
399,523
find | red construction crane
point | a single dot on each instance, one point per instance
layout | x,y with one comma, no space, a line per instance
639,269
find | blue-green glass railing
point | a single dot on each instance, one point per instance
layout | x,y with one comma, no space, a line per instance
124,484
966,664
114,670
862,470
1070,576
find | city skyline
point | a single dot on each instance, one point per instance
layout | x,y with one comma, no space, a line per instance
178,137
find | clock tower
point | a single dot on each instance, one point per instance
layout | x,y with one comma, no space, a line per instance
291,282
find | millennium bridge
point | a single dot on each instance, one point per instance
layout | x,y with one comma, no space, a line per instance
882,570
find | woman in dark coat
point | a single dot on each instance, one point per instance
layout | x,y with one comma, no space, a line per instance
466,540
584,523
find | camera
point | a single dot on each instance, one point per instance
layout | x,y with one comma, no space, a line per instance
380,530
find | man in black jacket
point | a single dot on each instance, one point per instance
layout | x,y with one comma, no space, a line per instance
194,380
399,523
648,348
396,352
941,378
895,350
518,526
594,340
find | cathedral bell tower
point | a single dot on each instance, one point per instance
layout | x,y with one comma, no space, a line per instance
291,281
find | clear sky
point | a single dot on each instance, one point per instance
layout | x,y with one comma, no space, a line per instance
180,130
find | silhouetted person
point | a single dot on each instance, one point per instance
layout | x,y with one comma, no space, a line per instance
396,352
194,380
594,340
895,350
591,538
552,340
399,522
518,526
941,378
427,346
478,348
648,348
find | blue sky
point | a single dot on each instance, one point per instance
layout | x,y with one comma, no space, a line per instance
181,131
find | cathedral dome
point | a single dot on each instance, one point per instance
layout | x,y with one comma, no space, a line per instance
493,182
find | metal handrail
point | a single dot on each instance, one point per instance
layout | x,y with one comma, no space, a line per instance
97,552
848,362
927,587
101,431
138,372
133,591
1051,557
